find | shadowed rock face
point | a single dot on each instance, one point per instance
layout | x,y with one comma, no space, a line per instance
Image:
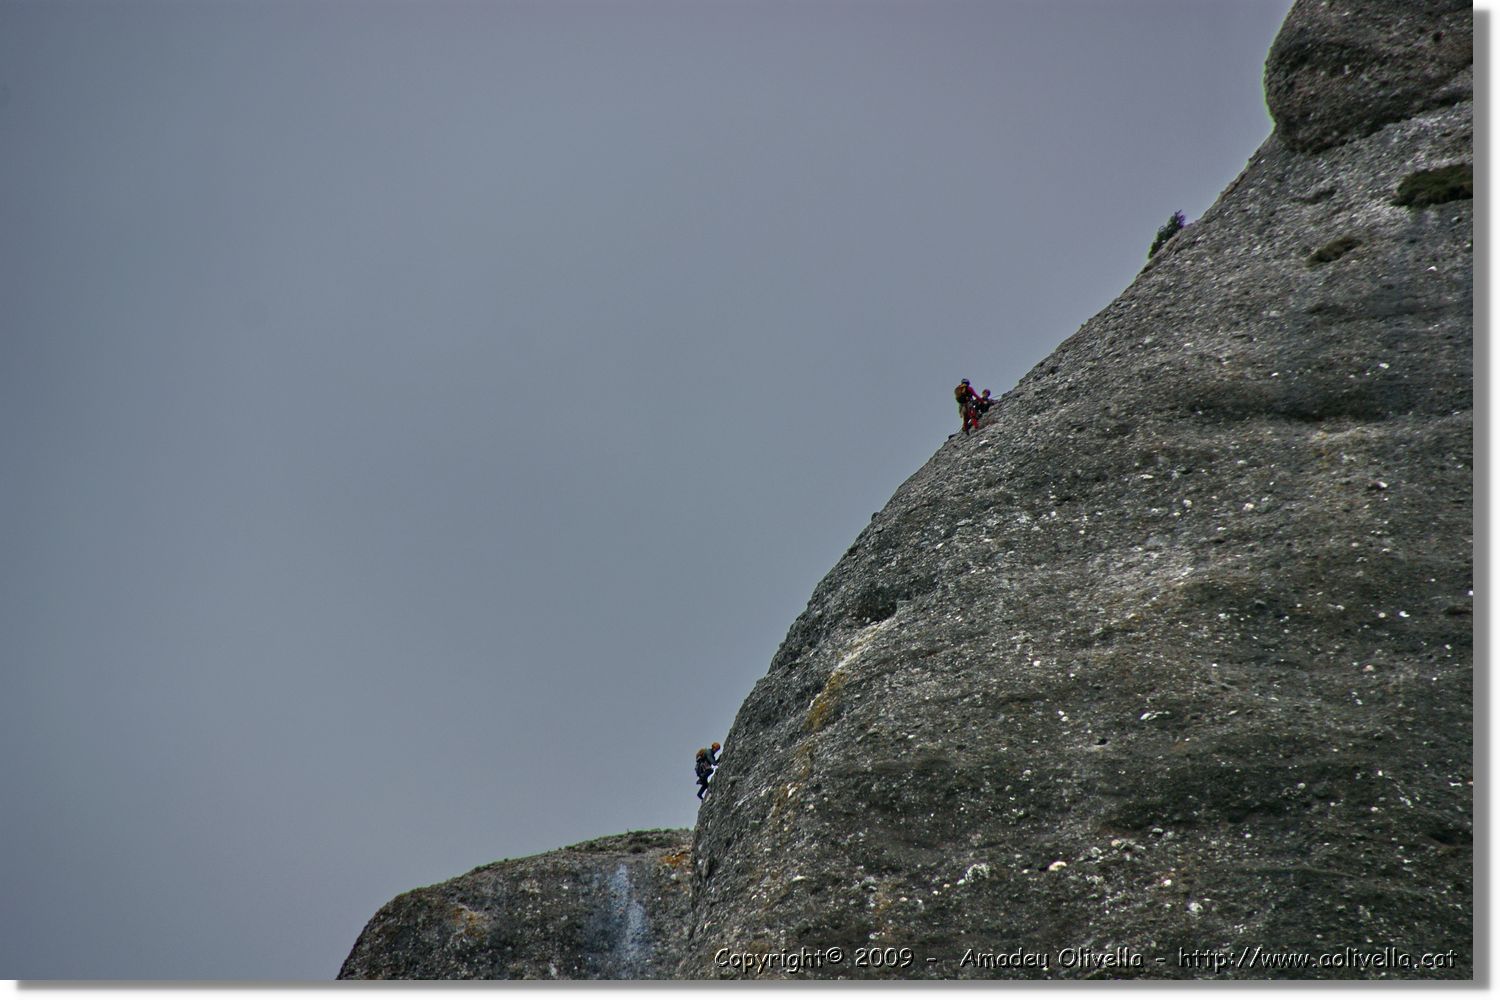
613,908
1174,656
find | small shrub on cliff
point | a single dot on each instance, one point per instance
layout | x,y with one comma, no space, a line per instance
1176,222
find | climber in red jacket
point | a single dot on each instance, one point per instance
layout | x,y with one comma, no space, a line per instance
967,399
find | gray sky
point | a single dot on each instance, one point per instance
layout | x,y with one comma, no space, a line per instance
420,423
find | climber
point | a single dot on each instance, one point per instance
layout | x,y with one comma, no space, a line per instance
708,759
982,406
965,395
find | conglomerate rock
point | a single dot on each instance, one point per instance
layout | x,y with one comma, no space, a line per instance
1166,671
1343,68
1174,656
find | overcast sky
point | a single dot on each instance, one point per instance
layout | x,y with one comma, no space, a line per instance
421,422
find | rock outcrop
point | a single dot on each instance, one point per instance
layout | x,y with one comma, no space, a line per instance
613,908
1340,69
1167,671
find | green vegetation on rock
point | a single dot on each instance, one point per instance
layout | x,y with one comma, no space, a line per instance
1166,232
1433,187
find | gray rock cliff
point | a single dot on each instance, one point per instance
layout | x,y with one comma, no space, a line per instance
1343,68
1172,660
613,908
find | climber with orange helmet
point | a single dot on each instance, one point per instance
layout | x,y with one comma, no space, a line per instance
708,759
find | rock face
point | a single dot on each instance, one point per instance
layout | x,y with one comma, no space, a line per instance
613,908
1165,672
1343,68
